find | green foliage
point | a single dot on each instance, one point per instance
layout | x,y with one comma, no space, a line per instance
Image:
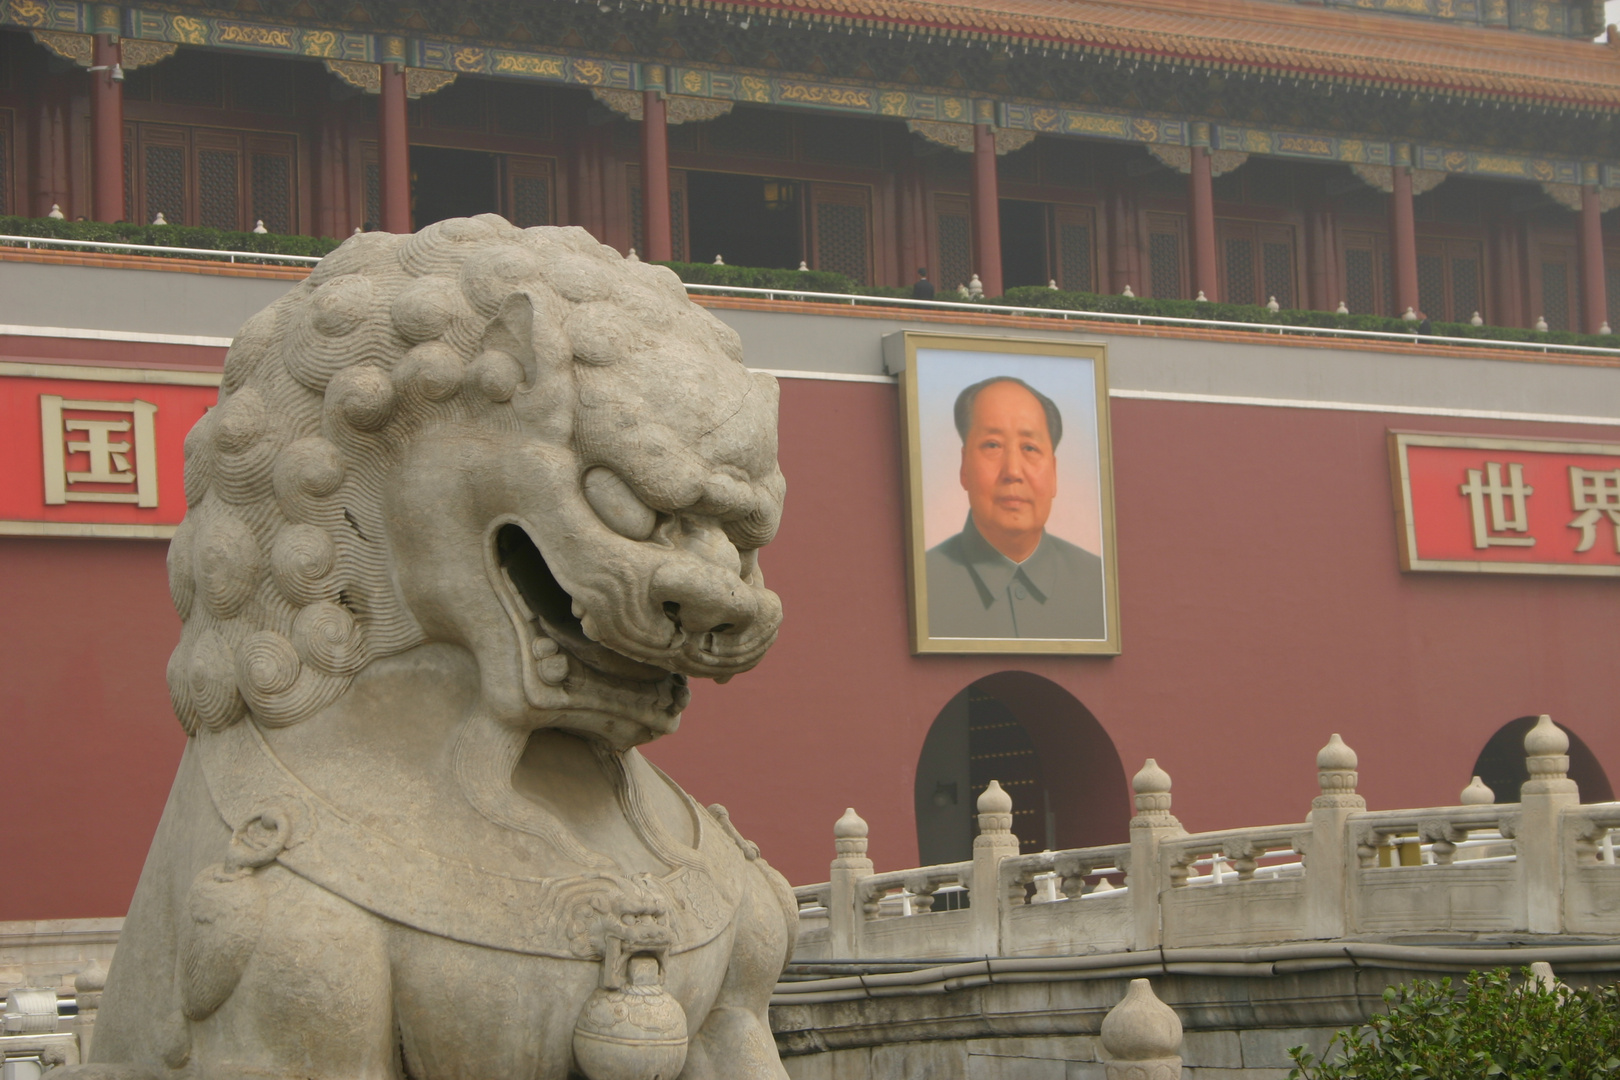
186,236
1493,1027
753,277
1037,296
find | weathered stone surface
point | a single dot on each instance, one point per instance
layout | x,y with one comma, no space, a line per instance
475,504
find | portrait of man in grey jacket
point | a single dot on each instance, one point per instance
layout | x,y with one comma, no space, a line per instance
1004,575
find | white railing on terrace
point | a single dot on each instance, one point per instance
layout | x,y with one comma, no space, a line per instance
857,299
151,249
1545,865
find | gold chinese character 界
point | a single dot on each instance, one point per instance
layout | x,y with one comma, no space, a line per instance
1505,502
1594,494
120,450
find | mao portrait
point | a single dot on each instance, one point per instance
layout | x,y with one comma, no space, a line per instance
1009,496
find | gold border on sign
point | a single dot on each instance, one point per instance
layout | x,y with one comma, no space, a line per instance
1406,526
916,581
77,373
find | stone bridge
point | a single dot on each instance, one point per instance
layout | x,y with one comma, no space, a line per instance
1261,938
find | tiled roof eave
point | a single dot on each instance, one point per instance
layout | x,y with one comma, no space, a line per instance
1282,61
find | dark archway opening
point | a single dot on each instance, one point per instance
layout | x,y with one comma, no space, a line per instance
1023,243
1500,766
452,183
1051,755
747,220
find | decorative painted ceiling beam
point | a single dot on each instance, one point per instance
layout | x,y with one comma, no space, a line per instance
960,136
153,33
678,108
1179,158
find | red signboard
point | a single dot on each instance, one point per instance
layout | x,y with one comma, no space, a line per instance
1506,506
96,451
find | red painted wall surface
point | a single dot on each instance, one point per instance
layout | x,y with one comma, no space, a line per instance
1262,611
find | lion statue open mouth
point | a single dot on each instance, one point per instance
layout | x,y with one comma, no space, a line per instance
474,507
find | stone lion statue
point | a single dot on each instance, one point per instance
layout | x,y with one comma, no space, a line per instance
474,507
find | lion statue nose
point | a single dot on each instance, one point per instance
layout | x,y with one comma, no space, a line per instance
702,598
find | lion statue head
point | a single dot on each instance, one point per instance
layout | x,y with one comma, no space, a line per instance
513,441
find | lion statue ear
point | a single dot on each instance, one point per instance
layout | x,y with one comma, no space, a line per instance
530,331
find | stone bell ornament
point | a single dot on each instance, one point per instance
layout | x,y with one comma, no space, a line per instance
631,1028
475,505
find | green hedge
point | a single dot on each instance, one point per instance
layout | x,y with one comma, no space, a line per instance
754,277
822,281
1493,1028
1040,297
187,236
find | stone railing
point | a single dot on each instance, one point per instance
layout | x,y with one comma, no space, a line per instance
1542,866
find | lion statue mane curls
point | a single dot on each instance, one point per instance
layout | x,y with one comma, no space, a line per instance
474,507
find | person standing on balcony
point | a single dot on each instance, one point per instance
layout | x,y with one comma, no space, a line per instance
923,289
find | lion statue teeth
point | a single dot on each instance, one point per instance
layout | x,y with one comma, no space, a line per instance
475,506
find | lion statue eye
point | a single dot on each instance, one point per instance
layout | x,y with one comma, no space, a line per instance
617,505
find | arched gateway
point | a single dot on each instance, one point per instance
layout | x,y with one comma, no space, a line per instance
1048,751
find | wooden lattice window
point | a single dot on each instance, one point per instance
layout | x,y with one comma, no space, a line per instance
7,170
210,177
271,193
841,229
218,182
1558,293
371,184
163,174
528,191
1367,286
677,213
953,227
1449,278
1257,262
1167,261
1076,254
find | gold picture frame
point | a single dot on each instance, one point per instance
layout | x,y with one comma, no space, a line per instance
1053,590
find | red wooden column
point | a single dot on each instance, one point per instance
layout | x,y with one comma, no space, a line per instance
106,130
986,210
1403,232
655,178
393,146
1594,286
1201,195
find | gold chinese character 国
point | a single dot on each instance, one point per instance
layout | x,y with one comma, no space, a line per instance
118,451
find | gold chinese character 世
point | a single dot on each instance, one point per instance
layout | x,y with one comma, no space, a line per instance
1593,495
119,451
1505,503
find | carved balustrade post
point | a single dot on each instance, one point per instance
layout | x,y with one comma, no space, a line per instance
994,843
846,908
87,988
1142,1036
1542,802
1152,824
1329,854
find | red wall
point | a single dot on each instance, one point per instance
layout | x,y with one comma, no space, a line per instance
1261,608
